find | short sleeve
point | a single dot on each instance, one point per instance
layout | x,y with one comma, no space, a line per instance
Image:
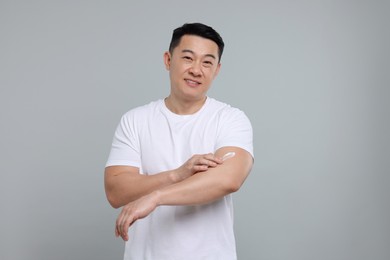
125,145
235,130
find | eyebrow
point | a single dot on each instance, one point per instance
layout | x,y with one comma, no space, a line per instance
192,52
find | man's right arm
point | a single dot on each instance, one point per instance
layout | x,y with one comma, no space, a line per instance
124,184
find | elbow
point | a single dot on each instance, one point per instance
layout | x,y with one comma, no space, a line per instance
235,186
113,197
232,186
114,202
237,180
234,183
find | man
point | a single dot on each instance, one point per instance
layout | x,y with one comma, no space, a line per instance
165,167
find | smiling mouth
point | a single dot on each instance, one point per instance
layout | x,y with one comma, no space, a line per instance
192,83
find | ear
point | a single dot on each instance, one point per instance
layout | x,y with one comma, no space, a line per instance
217,70
167,60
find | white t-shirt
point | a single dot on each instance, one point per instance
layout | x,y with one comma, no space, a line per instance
154,139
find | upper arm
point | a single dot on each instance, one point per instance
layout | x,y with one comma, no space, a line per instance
111,172
237,168
116,179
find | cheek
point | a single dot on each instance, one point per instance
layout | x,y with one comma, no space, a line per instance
177,70
174,71
210,75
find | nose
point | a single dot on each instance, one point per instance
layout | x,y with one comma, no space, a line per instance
195,70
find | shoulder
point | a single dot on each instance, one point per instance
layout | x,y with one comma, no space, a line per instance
144,110
139,116
226,111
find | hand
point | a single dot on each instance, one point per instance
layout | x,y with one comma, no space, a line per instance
197,163
133,211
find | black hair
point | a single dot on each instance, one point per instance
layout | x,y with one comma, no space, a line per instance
197,29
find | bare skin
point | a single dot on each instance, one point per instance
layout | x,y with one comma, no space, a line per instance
203,178
200,188
125,184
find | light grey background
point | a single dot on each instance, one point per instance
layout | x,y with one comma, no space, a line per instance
313,76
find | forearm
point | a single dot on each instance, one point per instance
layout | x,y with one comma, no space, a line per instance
123,186
205,187
199,189
217,180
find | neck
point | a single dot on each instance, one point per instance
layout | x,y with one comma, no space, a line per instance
182,107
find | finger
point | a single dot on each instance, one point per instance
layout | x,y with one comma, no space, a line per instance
116,231
120,220
123,226
125,229
213,158
124,233
207,162
200,168
117,227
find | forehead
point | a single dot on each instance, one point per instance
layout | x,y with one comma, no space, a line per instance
198,45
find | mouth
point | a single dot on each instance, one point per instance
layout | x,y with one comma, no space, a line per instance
192,83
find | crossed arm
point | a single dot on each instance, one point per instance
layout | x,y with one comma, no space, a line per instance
202,179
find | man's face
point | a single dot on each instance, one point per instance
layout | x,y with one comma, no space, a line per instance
192,66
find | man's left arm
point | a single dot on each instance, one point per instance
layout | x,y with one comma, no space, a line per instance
201,188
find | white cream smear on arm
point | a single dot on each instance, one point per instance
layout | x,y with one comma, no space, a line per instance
228,155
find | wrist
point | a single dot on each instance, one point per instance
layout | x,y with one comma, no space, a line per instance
157,197
175,176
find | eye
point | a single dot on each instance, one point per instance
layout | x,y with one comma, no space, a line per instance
208,63
187,58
